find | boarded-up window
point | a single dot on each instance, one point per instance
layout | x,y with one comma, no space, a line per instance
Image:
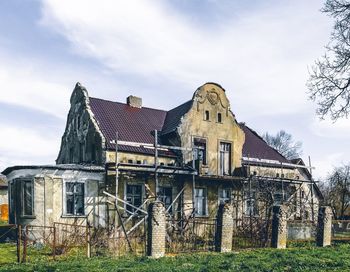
225,158
75,198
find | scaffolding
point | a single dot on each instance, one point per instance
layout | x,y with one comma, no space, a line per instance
268,188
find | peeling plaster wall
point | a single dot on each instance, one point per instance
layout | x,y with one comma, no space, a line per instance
210,97
49,196
82,141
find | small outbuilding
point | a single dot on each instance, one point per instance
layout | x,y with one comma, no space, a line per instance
65,193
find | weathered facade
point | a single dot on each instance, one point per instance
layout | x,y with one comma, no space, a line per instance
42,195
192,158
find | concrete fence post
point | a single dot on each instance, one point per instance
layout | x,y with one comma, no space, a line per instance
279,227
224,228
324,227
156,230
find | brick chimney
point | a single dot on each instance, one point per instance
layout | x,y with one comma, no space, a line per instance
134,101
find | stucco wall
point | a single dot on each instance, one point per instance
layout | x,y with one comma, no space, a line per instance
49,195
212,98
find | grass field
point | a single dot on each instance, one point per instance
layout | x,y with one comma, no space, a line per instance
335,258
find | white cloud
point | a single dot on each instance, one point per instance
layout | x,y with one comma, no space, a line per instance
20,146
23,84
262,54
333,130
325,165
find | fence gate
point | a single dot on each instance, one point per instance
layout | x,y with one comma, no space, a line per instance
251,232
191,235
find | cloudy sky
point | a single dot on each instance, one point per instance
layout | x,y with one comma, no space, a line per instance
259,51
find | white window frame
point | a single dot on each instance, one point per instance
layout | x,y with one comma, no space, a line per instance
224,199
205,197
220,172
64,199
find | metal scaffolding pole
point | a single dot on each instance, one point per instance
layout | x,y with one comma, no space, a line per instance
156,163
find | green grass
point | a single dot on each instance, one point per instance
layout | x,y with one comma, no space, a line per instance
335,258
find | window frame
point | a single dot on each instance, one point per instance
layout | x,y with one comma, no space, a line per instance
230,161
219,120
161,195
204,159
205,197
126,196
206,115
224,199
22,213
64,199
255,206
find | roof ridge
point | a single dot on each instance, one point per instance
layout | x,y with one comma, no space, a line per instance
117,102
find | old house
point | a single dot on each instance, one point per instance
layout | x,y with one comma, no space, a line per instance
115,158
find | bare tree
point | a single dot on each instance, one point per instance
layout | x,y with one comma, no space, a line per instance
329,82
336,191
283,142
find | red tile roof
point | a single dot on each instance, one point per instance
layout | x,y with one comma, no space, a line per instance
256,147
138,125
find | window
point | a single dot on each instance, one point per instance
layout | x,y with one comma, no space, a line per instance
219,118
75,198
206,115
251,207
200,153
133,196
200,204
166,196
225,159
27,192
224,195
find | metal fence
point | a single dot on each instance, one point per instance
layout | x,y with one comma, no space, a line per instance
193,235
251,232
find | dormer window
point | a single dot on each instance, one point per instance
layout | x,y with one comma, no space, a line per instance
219,118
206,115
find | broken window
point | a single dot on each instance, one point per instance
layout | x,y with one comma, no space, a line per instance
224,195
201,200
27,198
225,159
166,196
133,196
200,151
74,198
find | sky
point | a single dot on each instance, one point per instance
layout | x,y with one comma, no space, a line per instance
162,51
